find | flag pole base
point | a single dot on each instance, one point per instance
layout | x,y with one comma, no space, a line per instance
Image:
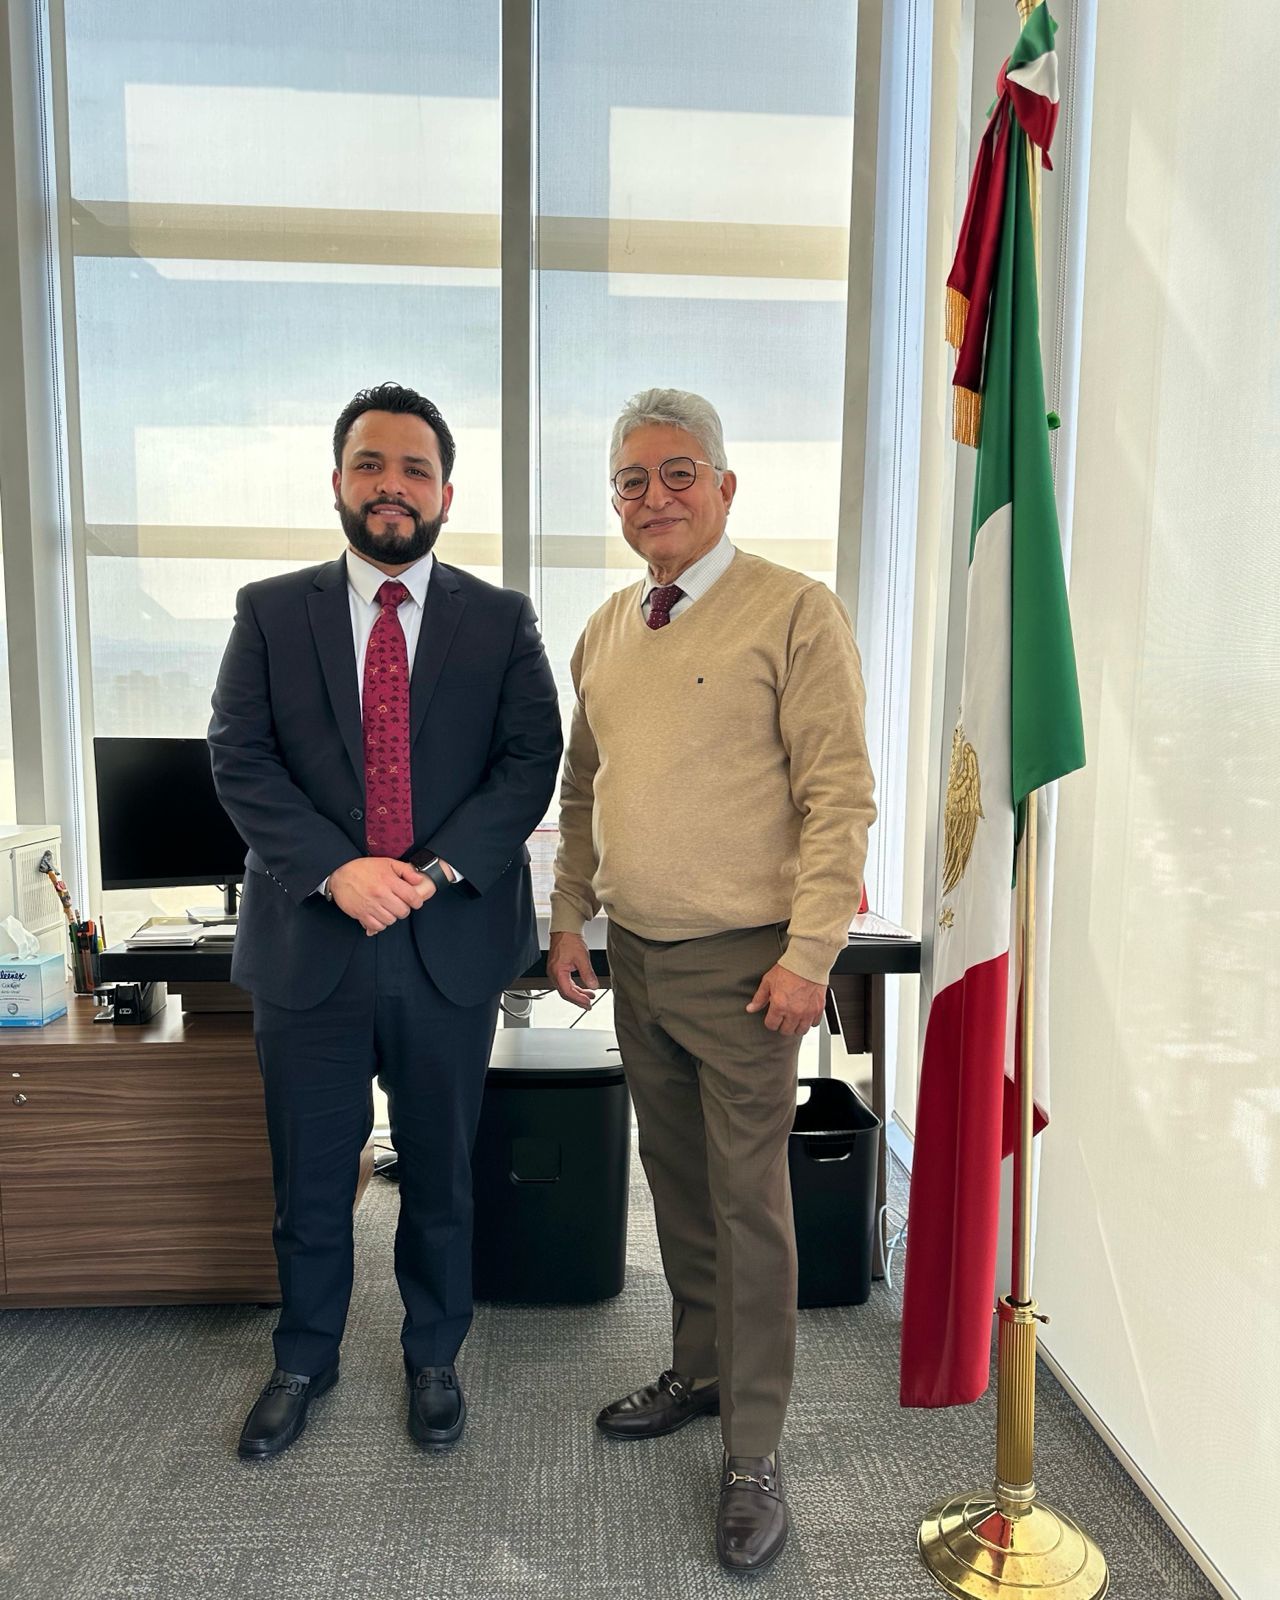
975,1550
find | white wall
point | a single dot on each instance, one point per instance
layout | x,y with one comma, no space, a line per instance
1159,1234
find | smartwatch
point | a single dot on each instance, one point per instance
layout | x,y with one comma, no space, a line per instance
431,868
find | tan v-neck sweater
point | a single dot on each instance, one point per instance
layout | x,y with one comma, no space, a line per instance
717,774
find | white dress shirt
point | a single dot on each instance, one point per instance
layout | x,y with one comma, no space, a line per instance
363,582
695,580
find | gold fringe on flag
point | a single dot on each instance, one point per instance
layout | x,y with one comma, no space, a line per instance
957,315
967,421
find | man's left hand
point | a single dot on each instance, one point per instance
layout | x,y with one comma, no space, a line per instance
794,1004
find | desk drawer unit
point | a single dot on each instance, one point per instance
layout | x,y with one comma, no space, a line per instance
135,1170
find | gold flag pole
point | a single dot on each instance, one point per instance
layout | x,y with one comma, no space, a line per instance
1004,1541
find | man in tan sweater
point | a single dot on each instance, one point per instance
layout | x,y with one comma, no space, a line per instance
716,800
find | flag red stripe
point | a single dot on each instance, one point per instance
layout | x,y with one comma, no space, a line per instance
1013,1118
949,1292
973,272
1012,1130
1038,116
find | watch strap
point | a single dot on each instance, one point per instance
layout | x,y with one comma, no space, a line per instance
433,870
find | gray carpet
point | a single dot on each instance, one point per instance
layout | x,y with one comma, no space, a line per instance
120,1481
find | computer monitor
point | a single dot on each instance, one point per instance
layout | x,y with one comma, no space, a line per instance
160,824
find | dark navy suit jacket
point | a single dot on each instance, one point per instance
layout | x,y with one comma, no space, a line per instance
288,765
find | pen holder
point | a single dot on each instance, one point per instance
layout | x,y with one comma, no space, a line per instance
85,975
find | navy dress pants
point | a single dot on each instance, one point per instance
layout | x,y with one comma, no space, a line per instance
385,1019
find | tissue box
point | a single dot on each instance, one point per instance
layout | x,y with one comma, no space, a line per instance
32,992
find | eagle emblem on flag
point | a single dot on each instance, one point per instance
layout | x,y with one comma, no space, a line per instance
963,809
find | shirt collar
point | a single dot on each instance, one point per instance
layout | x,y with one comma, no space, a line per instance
694,581
366,579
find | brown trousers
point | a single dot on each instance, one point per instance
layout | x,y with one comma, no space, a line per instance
715,1096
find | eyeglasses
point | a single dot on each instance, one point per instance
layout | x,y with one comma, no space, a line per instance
679,472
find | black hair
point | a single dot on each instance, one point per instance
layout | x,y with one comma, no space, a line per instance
396,398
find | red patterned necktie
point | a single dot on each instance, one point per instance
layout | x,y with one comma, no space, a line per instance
388,803
661,601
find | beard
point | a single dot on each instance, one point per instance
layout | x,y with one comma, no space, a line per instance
394,549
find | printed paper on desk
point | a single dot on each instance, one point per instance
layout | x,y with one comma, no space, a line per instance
867,925
174,933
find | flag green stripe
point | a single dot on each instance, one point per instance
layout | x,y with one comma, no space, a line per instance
1047,735
1036,38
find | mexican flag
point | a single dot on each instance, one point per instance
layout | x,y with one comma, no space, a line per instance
1026,98
1017,729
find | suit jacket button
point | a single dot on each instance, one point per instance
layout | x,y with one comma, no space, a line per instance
356,814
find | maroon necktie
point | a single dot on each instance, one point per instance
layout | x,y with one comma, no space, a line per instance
661,601
388,803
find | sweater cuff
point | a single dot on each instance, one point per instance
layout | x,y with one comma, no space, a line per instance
812,959
566,917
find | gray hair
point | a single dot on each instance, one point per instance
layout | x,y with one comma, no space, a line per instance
671,408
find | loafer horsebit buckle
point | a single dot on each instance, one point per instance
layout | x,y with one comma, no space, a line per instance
765,1483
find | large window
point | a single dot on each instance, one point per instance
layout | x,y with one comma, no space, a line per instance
693,198
273,206
8,802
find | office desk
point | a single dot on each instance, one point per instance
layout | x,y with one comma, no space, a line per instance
855,1008
856,1011
134,1167
134,1164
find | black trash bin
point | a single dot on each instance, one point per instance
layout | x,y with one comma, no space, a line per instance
832,1154
551,1169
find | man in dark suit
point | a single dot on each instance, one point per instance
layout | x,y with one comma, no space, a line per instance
387,898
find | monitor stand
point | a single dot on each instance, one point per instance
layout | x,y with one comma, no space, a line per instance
226,912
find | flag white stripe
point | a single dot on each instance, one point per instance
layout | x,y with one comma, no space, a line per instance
984,922
978,927
1039,76
1046,828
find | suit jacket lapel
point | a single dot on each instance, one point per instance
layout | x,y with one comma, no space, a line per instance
330,613
440,618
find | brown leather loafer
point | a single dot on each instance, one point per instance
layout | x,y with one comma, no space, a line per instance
751,1524
659,1408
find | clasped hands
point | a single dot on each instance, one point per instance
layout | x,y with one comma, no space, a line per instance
791,1004
378,890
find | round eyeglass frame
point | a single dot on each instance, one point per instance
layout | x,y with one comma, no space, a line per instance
661,470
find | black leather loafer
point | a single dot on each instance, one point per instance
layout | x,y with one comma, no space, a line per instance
437,1408
659,1408
751,1523
280,1413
